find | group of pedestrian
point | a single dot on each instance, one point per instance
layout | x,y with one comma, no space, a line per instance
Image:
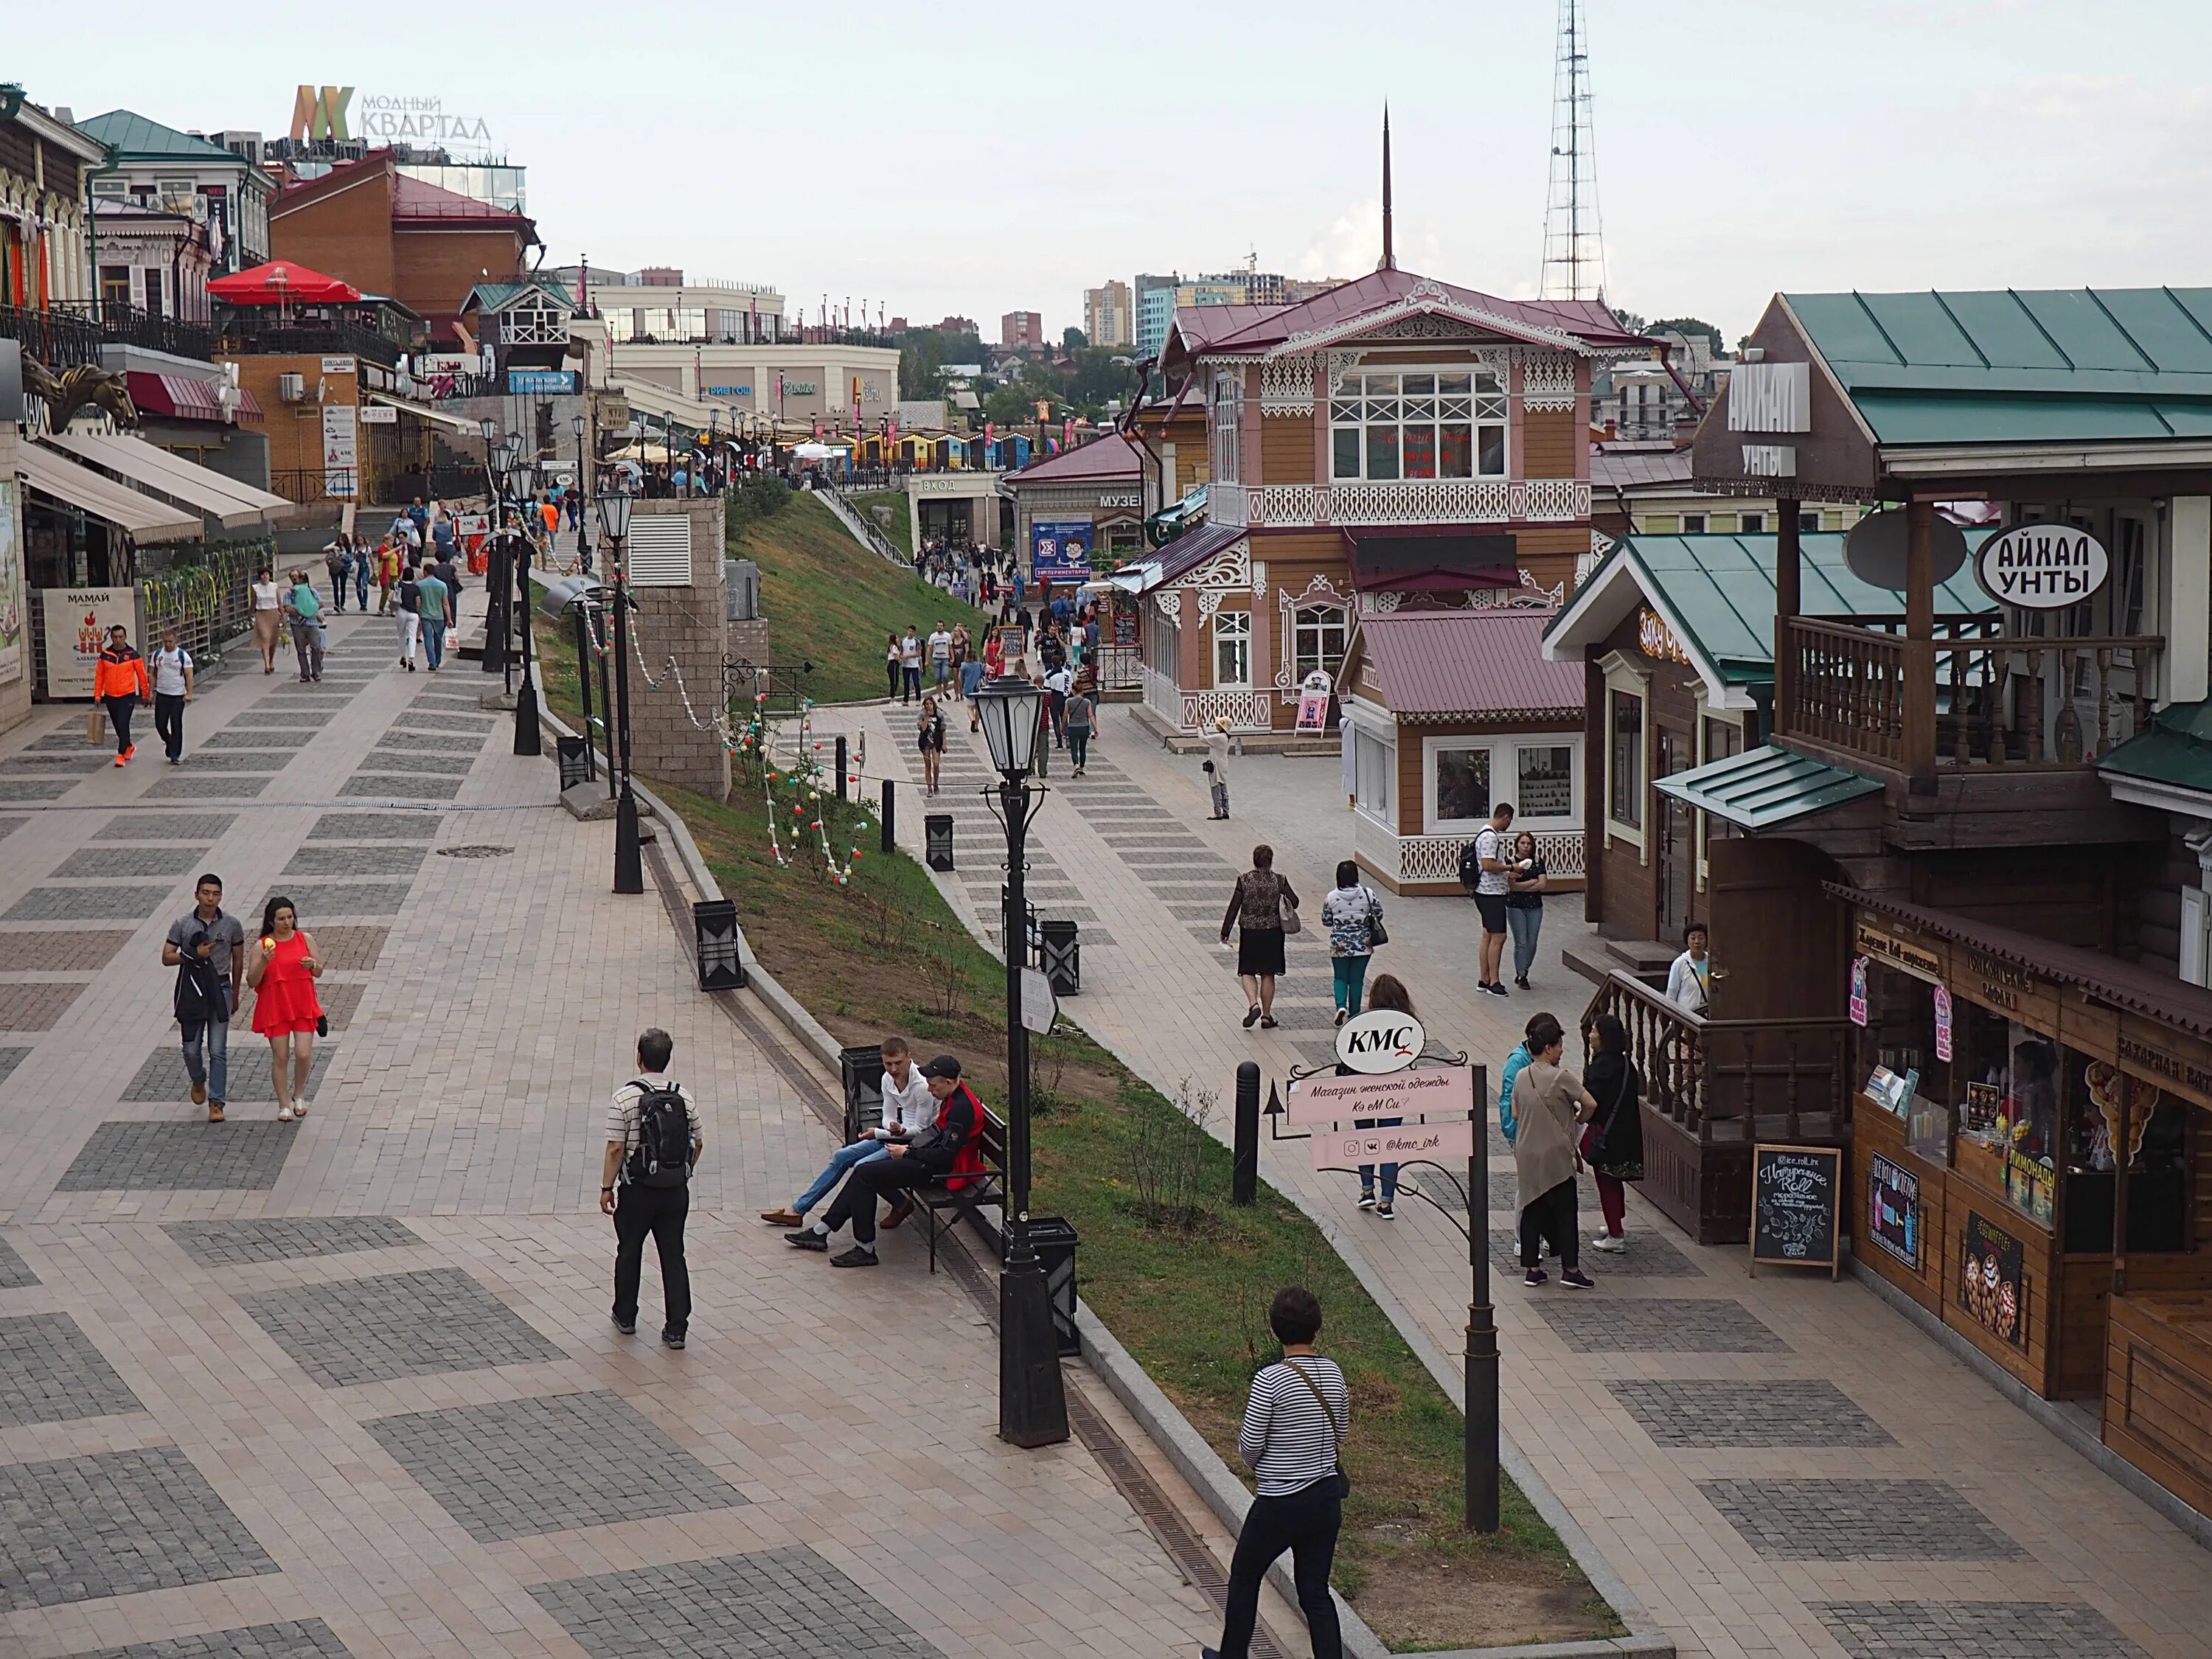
1509,879
207,947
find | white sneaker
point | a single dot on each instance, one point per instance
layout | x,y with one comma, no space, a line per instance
1609,1244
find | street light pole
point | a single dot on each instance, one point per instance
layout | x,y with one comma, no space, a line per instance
583,512
629,865
494,654
529,737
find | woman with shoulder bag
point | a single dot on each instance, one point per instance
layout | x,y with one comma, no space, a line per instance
1612,1141
1294,1427
1263,908
1353,916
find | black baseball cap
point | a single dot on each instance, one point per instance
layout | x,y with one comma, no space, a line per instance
943,1065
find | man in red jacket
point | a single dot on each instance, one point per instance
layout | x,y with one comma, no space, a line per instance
119,682
945,1149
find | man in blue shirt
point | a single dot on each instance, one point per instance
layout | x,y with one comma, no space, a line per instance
437,609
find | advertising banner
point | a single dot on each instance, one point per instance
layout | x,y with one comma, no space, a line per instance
1060,549
77,620
1445,1092
12,617
341,450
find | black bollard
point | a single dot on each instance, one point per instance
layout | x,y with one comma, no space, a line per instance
1244,1170
841,779
891,818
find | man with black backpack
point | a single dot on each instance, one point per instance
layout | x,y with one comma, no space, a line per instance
653,1145
207,947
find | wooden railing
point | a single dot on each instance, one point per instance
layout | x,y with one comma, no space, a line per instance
1997,700
1697,1072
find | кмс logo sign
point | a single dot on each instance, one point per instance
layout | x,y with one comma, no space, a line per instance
1381,1040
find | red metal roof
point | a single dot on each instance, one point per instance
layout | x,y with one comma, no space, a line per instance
1431,663
1588,320
1201,325
412,199
1113,458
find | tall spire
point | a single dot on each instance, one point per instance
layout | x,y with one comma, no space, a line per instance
1574,240
1389,255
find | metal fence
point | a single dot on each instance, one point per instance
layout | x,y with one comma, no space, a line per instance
211,602
55,337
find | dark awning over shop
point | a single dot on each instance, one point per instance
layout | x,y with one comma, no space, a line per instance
1420,561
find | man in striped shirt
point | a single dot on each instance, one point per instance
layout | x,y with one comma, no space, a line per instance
653,1205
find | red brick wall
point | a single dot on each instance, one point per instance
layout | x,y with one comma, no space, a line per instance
346,235
433,269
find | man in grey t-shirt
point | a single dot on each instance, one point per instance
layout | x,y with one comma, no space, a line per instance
207,947
1493,851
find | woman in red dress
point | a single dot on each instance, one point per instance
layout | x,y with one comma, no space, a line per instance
282,972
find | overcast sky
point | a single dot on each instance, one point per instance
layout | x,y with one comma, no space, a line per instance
955,158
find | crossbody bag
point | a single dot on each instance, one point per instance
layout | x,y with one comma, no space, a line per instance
1376,932
1339,1484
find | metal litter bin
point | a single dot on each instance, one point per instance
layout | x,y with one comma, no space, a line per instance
1054,1241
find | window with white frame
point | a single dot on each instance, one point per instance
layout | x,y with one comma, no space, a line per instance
1318,634
1694,524
1232,649
1459,784
1427,425
1375,773
1752,524
1544,781
1464,778
1222,435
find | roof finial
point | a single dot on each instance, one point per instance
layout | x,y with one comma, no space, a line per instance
1390,256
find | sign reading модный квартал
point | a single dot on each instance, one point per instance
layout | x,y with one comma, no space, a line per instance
2042,567
320,113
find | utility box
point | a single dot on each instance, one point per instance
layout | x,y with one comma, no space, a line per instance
740,590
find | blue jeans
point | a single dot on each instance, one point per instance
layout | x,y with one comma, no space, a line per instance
840,1161
360,585
214,1072
1367,1170
1350,974
434,641
1524,922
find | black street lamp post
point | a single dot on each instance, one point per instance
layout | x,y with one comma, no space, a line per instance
529,736
1032,1400
629,865
583,512
492,659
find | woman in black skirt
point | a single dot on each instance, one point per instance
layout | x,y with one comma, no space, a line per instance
1257,910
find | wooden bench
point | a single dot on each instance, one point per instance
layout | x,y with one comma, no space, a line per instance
986,1187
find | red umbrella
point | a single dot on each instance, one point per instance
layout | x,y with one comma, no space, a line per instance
282,282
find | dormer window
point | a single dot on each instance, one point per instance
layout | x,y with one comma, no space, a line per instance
1425,425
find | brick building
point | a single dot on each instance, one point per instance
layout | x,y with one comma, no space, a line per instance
395,236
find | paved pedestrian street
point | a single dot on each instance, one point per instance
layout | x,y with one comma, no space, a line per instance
348,1386
1777,1465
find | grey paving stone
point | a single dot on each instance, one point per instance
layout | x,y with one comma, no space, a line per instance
1973,1630
118,1523
242,760
63,951
36,1006
1741,1412
379,858
1648,1255
55,742
1603,1324
122,1156
1154,843
36,788
380,759
391,785
275,743
201,827
15,1274
48,765
1859,1520
8,826
349,950
231,786
314,901
376,826
253,720
106,863
764,1605
430,743
292,1638
437,719
162,1077
372,1330
524,1467
71,903
51,1372
225,1243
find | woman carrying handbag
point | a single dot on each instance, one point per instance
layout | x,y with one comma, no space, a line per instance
1612,1141
1264,910
1294,1426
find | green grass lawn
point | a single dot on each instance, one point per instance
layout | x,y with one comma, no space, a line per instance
900,527
830,601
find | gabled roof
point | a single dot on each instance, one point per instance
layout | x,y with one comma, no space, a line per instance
1640,469
1110,458
1435,663
2012,366
133,136
498,297
1717,594
413,199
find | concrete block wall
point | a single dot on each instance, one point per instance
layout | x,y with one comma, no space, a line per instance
686,623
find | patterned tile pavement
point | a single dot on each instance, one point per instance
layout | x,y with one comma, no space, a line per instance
415,1324
1974,1630
292,1638
229,1243
1859,1520
126,1156
51,1373
1746,1412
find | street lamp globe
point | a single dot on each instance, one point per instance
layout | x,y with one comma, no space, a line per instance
1008,708
614,514
510,448
488,426
576,425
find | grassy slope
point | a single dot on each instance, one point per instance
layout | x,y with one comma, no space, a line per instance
900,528
829,601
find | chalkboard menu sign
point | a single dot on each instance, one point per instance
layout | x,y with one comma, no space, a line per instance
1794,1195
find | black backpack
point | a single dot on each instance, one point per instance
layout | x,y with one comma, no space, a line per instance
1470,866
662,1156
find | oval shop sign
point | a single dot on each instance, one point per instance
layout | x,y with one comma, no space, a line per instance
2043,566
1380,1040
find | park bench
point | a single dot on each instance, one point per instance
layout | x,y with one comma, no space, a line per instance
983,1188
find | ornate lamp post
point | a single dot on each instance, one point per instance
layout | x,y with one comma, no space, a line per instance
583,498
629,865
1032,1401
529,736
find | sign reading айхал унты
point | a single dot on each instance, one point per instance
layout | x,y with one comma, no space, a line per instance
2042,567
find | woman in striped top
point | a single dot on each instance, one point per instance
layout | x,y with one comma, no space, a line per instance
1296,1418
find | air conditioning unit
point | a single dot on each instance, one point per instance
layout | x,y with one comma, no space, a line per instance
292,388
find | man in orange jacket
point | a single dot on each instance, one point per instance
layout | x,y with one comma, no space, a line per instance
120,682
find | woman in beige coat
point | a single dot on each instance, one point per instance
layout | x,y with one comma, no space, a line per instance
1549,1104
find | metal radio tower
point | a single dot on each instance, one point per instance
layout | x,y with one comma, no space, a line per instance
1574,240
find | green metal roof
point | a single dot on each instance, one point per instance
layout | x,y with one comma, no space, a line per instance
1718,592
2176,751
1765,786
494,296
2019,366
136,137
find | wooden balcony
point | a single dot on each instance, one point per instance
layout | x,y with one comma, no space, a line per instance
1713,1088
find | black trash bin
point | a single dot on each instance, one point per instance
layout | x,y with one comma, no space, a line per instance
1054,1240
721,967
575,761
1060,954
860,1069
936,837
1032,935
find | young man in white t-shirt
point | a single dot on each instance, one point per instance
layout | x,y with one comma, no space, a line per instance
909,1107
1493,851
940,655
171,667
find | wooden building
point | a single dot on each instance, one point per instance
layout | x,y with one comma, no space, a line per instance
1396,441
1967,863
